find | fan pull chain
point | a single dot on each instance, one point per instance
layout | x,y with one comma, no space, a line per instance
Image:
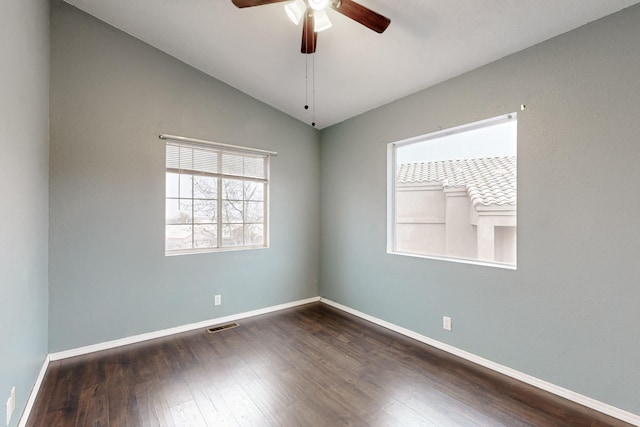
313,87
313,93
306,82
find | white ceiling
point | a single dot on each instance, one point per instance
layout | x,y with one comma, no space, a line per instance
257,49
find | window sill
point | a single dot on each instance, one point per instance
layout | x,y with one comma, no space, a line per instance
210,250
458,260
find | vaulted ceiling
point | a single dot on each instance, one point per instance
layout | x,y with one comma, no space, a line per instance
257,49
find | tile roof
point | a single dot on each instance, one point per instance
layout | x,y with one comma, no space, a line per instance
489,181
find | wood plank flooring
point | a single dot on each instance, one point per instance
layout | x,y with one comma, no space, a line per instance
307,366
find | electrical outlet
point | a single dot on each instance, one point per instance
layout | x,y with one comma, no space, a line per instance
217,300
446,323
11,404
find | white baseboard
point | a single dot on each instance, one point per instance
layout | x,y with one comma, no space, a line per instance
536,382
528,379
34,393
171,331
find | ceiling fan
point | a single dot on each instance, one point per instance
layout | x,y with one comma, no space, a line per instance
314,17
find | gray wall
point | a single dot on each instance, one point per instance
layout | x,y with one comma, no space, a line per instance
569,314
111,95
24,139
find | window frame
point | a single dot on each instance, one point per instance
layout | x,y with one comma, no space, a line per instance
392,173
218,150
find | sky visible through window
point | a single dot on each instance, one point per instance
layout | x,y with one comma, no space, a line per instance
490,141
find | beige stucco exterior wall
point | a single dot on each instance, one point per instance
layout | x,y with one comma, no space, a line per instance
432,220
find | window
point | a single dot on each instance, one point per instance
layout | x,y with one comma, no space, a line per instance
453,194
216,197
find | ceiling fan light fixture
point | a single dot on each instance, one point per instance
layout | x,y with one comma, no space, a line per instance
295,10
318,4
321,21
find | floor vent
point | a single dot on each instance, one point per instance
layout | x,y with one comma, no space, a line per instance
215,329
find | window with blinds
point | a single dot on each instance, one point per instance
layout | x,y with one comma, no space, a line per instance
216,198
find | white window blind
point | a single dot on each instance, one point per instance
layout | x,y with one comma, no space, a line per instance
216,197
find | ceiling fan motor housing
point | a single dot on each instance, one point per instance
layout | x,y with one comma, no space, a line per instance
318,4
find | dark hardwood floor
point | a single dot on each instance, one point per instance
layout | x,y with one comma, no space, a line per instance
306,366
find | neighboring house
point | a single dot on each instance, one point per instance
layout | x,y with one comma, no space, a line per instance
458,208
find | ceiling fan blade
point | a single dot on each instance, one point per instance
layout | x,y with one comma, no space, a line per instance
309,37
251,3
361,14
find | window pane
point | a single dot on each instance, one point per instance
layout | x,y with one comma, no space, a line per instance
185,213
172,184
171,211
232,212
205,187
253,190
186,185
178,211
253,234
205,236
178,237
232,235
232,189
254,212
205,211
